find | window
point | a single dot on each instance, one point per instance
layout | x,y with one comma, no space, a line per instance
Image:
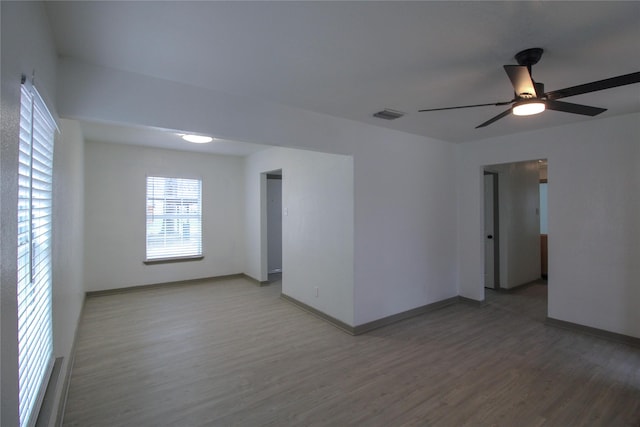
35,177
174,218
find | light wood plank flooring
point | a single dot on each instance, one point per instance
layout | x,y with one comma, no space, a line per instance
229,353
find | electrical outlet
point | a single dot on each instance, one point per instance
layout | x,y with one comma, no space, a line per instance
317,292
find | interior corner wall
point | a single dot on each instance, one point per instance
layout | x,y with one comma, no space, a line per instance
317,229
115,194
593,207
26,46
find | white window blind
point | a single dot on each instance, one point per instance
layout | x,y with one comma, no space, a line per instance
174,218
35,176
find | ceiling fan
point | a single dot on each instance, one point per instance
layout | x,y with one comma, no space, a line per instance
530,97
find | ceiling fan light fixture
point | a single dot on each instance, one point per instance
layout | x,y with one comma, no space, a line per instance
528,108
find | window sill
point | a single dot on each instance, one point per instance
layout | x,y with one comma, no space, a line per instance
174,259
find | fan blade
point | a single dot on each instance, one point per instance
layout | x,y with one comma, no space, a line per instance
468,106
623,80
568,107
496,118
521,80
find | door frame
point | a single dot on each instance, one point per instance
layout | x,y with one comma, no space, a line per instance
496,227
264,245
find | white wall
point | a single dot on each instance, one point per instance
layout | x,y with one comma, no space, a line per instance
115,214
317,231
27,46
404,227
68,241
519,233
543,207
593,207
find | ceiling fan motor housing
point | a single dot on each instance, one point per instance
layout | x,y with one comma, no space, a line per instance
529,57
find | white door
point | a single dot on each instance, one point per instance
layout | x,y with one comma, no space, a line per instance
489,240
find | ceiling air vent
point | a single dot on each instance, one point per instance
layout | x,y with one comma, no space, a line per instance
388,114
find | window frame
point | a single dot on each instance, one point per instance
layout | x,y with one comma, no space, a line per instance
34,277
171,255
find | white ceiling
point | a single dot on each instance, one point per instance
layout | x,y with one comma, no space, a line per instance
351,59
163,138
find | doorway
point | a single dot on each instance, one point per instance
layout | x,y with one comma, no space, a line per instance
274,224
514,209
491,231
544,254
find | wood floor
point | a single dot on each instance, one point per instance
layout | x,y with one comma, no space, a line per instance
229,353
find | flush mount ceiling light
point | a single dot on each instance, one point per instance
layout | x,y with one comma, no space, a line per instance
197,139
528,108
